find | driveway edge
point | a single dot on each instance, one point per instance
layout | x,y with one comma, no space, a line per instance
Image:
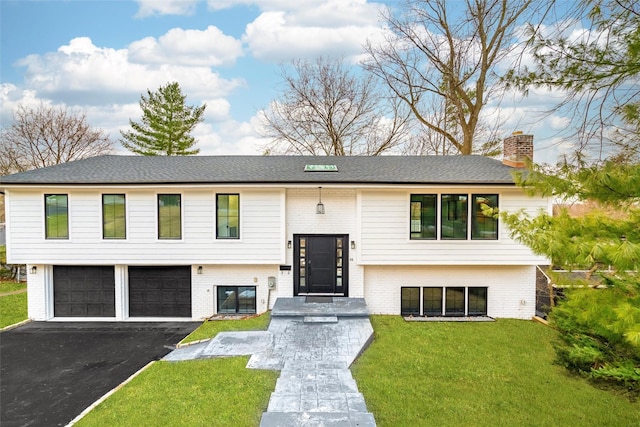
15,325
109,393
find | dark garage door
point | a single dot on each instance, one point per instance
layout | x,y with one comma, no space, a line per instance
84,291
160,291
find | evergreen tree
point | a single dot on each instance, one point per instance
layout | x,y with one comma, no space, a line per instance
166,124
599,320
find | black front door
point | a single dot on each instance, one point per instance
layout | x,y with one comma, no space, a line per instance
321,264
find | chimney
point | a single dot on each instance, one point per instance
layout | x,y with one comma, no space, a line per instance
517,148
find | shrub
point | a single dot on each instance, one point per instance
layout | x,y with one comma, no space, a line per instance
598,329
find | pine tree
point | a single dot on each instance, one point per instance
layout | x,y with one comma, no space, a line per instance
599,318
166,124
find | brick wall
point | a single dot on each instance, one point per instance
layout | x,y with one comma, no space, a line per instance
517,148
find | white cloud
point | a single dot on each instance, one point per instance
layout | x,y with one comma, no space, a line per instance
217,109
210,48
278,35
81,72
229,138
165,7
11,96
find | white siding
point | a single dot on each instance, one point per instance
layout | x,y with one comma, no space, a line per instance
385,232
376,220
511,289
340,217
39,295
260,235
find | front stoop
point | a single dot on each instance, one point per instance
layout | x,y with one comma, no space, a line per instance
314,396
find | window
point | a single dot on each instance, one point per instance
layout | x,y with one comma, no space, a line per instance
228,216
458,301
56,212
484,226
410,305
237,299
432,301
454,216
477,302
113,216
169,216
454,303
423,216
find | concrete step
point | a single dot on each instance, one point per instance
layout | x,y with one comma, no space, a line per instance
320,319
317,419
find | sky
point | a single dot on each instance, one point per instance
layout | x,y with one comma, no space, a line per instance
100,56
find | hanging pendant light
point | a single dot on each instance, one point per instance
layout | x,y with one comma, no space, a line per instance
320,206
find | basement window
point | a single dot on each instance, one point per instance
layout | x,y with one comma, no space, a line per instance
236,299
438,301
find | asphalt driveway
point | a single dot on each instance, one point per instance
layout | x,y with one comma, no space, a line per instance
51,371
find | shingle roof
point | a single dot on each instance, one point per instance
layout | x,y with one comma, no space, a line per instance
112,169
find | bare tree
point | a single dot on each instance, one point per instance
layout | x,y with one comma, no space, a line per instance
439,52
598,70
325,109
42,136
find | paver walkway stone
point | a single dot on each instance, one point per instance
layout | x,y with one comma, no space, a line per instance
313,345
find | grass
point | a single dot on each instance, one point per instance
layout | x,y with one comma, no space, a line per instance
11,286
13,308
211,329
482,374
414,374
210,392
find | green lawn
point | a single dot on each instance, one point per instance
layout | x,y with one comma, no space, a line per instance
414,374
210,392
483,374
213,392
211,329
13,308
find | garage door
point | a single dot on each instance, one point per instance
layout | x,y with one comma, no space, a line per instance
160,291
84,291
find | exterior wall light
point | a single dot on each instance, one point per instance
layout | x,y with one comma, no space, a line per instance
353,244
200,269
289,244
34,270
320,206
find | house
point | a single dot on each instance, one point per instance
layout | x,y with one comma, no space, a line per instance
157,238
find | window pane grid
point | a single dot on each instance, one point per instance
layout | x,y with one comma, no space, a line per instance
56,216
454,302
453,220
237,299
169,216
458,301
477,301
484,226
113,216
432,301
423,216
228,216
410,301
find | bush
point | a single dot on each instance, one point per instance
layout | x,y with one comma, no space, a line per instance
597,329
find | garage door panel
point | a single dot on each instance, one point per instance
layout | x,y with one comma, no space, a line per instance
160,291
84,291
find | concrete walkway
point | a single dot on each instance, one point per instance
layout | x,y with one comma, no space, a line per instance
312,344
